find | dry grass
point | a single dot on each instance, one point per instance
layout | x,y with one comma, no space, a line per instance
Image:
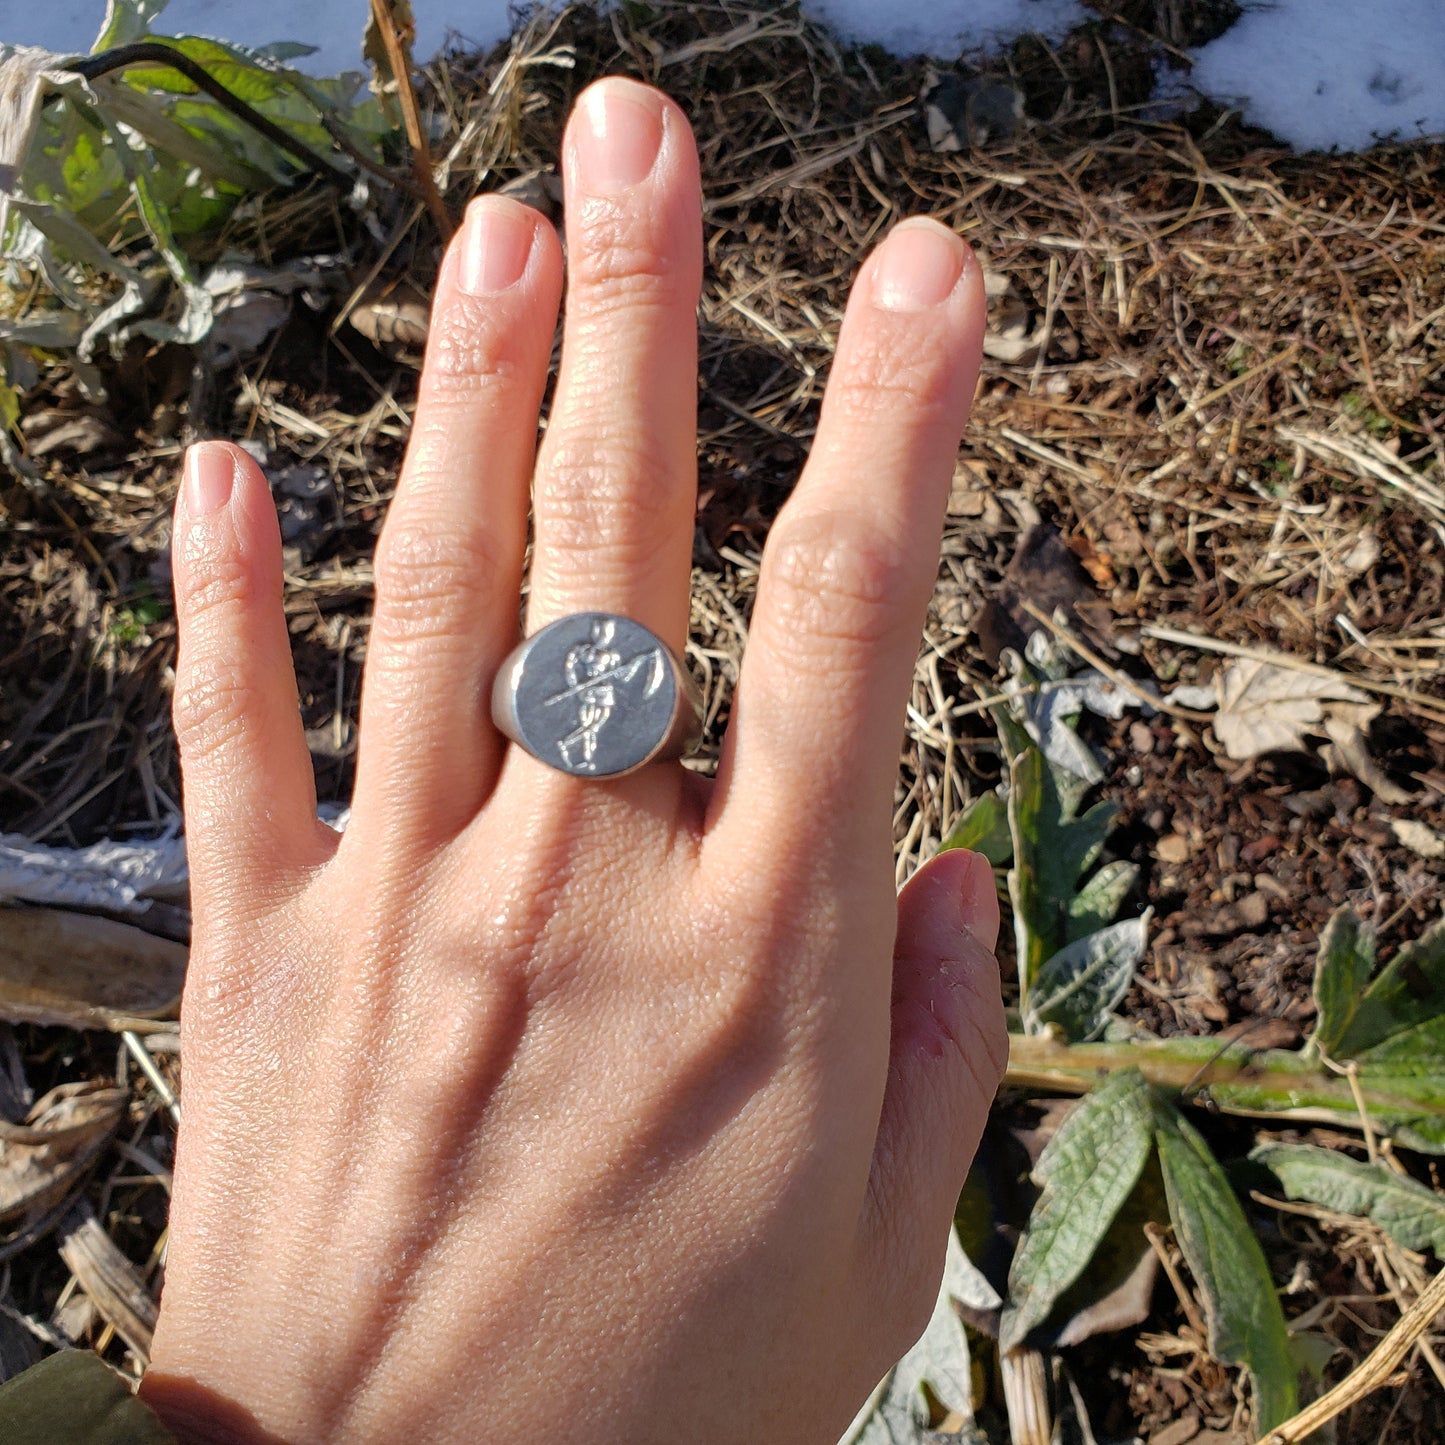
1235,412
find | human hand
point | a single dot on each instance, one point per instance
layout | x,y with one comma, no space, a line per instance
533,1108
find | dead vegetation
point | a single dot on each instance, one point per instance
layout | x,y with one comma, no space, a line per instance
1218,371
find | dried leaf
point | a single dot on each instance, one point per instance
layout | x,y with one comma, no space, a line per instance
394,316
84,972
1418,838
1267,708
41,1159
110,1280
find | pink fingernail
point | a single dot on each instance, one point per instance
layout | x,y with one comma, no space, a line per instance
209,475
918,266
978,901
619,135
496,242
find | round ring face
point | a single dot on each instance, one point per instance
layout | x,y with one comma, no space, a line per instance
594,694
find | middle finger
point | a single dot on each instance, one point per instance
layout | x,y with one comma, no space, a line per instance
616,481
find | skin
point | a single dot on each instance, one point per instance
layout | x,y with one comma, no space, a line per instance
535,1109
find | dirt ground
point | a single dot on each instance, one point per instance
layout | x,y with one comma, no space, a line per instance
1217,380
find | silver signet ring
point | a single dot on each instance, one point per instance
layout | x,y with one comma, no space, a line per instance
597,695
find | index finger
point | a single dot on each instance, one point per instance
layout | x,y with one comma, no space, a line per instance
851,561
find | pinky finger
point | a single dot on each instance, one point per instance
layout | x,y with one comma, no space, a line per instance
250,797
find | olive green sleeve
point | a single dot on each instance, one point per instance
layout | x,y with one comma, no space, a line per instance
74,1398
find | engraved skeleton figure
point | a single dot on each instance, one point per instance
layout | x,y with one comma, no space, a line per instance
593,670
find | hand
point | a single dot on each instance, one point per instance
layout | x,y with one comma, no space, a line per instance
536,1109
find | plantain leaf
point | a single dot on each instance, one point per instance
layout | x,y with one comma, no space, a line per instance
1098,902
1081,985
1085,1173
1411,1214
1246,1324
983,826
1342,971
1400,1020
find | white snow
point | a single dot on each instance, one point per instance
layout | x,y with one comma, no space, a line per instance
1317,73
943,28
1323,73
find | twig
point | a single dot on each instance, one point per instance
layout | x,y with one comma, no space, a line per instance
157,1080
1372,1372
1432,707
400,62
1119,679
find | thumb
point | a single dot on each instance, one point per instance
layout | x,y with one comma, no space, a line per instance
947,1056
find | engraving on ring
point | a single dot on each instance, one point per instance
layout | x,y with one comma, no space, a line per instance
594,671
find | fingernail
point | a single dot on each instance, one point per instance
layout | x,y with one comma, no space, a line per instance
918,266
978,901
619,136
496,241
209,475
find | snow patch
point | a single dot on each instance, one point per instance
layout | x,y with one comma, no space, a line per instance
945,28
1321,74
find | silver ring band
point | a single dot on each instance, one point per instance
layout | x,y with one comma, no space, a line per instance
597,695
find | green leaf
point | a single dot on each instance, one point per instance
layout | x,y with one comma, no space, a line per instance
1342,971
1085,1173
1411,1214
1401,1018
127,21
1097,904
1081,985
1053,848
1246,1324
983,826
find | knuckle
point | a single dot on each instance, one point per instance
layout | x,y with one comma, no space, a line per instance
213,709
600,490
617,262
221,583
894,383
833,580
465,359
429,576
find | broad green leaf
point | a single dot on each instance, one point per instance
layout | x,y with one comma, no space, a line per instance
1085,1173
1342,971
127,21
983,826
1116,1292
1246,1324
1401,1018
1411,1214
1081,985
1097,904
1053,849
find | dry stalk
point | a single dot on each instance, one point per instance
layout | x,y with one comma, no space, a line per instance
399,58
1372,1372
